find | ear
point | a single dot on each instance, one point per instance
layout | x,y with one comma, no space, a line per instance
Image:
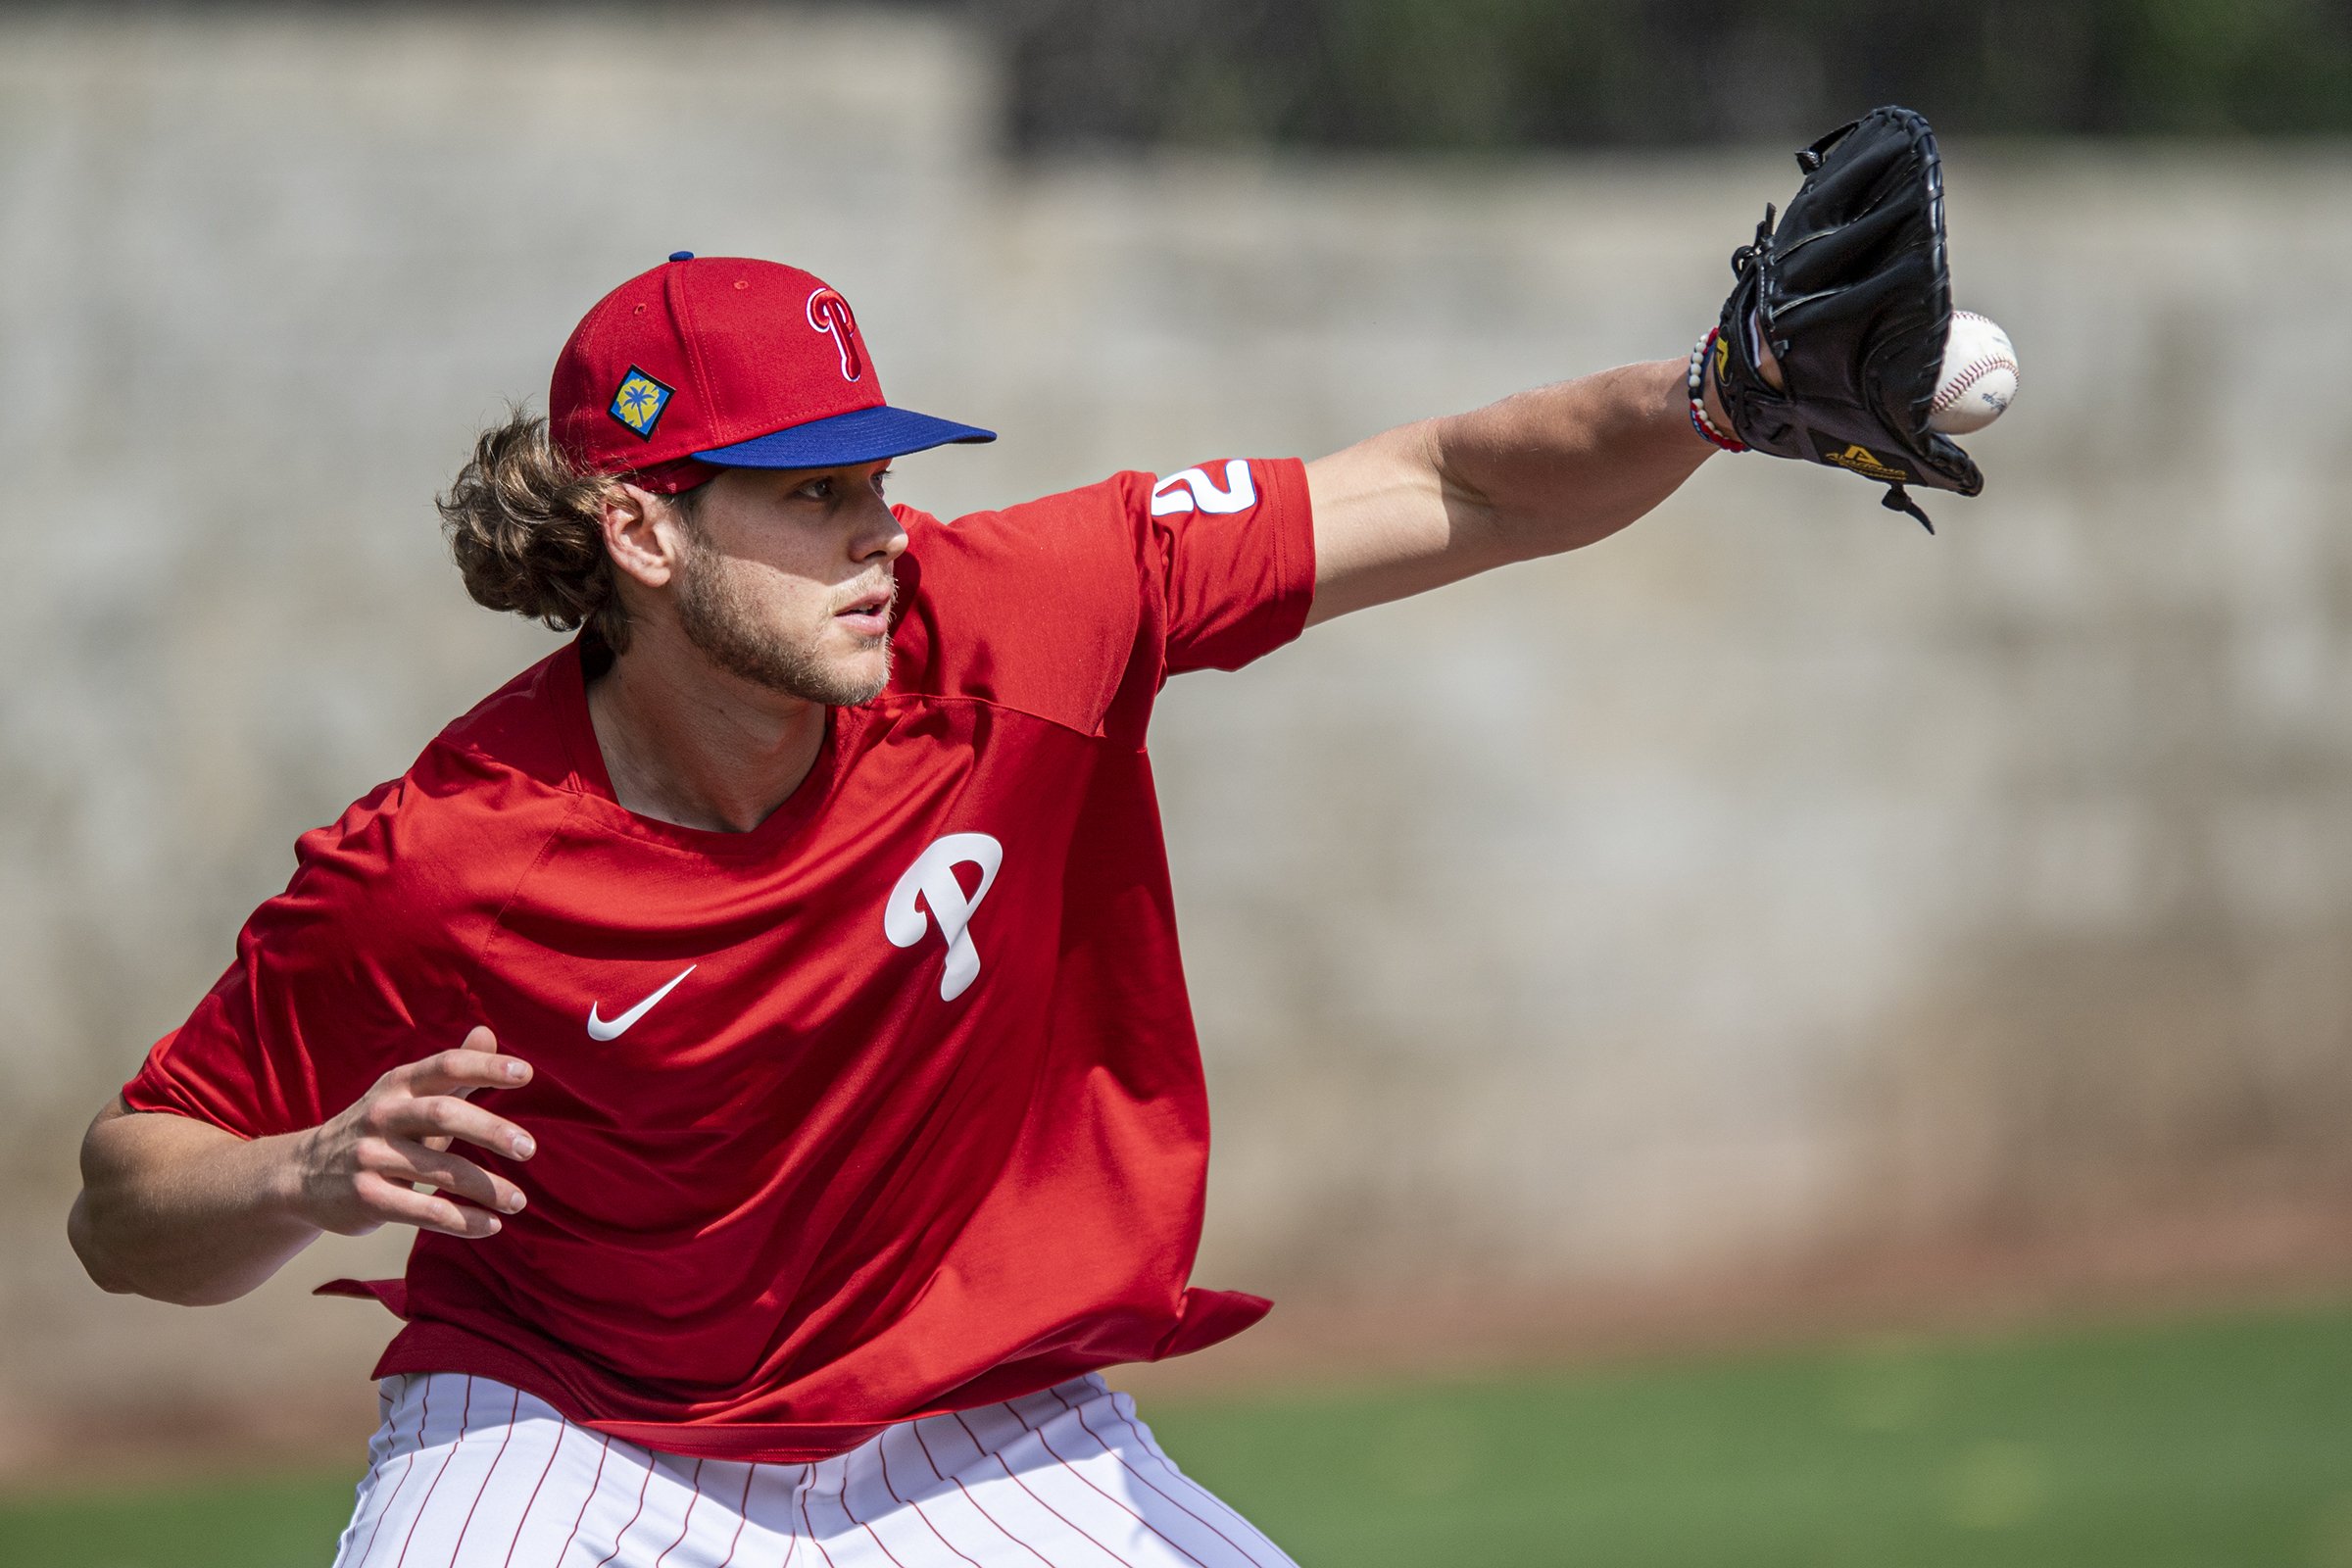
642,534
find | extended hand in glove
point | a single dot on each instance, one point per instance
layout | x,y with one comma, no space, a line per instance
1854,293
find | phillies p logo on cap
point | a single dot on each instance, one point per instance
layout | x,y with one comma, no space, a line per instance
830,315
733,363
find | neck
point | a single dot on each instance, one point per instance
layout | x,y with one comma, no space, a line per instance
688,743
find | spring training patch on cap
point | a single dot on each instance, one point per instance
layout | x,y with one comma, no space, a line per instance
639,401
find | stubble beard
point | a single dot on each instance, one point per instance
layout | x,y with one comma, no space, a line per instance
719,619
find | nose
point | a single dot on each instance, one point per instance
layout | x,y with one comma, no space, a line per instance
879,537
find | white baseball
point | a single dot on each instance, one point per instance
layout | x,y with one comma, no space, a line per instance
1980,375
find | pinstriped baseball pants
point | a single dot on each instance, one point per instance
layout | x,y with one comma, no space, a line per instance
468,1473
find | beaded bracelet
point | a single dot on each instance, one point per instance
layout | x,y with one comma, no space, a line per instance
1698,393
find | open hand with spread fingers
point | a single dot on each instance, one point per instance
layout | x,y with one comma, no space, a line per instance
364,1168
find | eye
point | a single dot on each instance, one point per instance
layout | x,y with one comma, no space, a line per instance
818,489
880,480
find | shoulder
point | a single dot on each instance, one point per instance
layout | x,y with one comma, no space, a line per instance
484,795
1105,518
522,732
1077,604
1122,513
1036,607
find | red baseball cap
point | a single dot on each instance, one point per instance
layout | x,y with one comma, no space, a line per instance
729,362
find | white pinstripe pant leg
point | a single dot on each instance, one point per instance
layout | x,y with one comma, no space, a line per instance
1062,1479
468,1473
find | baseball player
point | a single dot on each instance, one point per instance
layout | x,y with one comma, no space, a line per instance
766,1009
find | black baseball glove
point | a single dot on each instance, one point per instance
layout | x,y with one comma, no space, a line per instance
1854,294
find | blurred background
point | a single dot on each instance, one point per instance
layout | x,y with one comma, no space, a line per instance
1772,1039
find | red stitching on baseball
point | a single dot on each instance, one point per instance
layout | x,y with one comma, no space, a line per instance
1969,378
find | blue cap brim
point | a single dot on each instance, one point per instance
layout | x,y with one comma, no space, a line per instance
862,435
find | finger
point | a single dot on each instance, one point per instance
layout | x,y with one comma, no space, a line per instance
464,1067
479,1039
389,1201
447,1116
408,1163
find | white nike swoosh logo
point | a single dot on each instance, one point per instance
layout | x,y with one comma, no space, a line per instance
614,1028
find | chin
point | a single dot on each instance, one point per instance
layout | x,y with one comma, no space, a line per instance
859,679
854,694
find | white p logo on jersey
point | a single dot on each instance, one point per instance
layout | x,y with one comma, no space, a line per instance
932,875
1192,487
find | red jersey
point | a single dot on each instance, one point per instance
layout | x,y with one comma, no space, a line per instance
889,1106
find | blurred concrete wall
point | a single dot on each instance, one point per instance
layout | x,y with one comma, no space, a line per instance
1770,881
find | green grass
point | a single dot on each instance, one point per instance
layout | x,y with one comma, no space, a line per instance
2215,1444
2223,1445
243,1522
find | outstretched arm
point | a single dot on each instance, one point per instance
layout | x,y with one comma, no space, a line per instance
184,1211
1859,309
1428,504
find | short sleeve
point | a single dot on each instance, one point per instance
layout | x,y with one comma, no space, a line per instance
320,1001
1238,560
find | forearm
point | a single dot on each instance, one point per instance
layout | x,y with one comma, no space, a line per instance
1533,475
1565,465
181,1212
184,1211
